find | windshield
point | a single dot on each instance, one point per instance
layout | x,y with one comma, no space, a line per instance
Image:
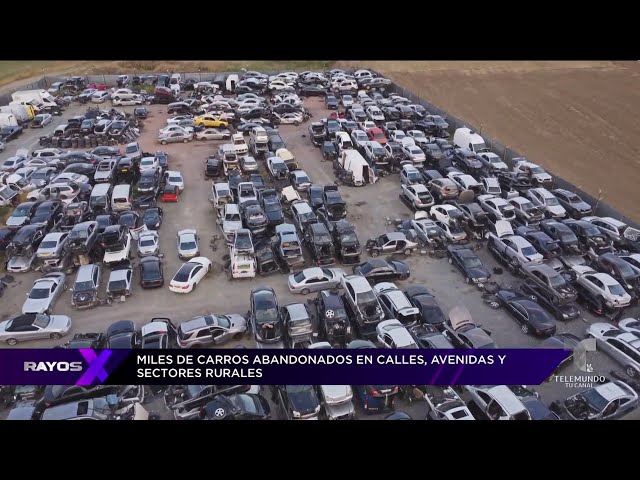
527,206
147,242
39,293
21,211
479,146
49,244
99,200
117,285
188,245
378,151
132,148
557,281
596,401
551,201
41,321
568,237
539,170
78,234
366,297
472,262
83,286
626,271
529,251
265,315
40,176
616,289
175,179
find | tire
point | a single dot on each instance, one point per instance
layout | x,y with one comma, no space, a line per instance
450,260
163,142
525,328
55,336
186,140
305,291
203,139
632,372
194,287
296,123
12,341
407,251
374,253
467,280
404,277
513,263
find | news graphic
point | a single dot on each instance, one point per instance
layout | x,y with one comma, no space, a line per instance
319,240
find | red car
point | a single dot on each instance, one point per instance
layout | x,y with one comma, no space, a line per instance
99,87
377,135
170,193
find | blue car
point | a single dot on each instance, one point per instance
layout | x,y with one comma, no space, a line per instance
376,398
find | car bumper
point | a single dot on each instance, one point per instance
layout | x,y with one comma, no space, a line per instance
180,289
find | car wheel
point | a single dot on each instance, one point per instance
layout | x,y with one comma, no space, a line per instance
55,336
186,140
12,341
208,268
305,291
404,277
467,280
163,142
514,265
525,328
407,251
193,289
296,123
374,253
203,139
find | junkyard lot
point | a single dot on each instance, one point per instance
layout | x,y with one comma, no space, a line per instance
368,208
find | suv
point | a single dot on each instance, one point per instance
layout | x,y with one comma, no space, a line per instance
363,303
85,288
319,242
303,215
395,304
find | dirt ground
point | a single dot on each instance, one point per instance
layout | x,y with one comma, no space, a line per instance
577,119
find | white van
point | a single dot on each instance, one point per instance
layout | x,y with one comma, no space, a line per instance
174,83
232,82
239,144
357,168
343,141
121,199
466,138
100,198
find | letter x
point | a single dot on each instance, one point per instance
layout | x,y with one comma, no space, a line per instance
96,366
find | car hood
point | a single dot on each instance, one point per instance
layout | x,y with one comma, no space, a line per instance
35,305
16,221
556,210
230,226
19,262
536,257
335,394
543,177
237,321
478,272
59,322
303,402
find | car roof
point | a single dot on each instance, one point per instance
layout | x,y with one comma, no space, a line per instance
297,311
396,236
506,398
85,272
611,391
359,283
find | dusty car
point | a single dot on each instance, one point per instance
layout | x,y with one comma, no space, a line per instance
623,347
390,243
497,402
319,242
346,241
44,293
34,326
466,260
315,279
82,238
378,269
603,402
510,249
288,245
148,244
461,330
552,281
120,282
213,329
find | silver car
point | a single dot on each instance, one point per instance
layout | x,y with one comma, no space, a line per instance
120,282
602,284
623,347
34,326
44,293
175,137
148,243
188,246
211,329
52,245
315,279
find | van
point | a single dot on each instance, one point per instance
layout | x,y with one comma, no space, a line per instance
232,82
343,141
100,198
358,172
121,198
239,144
466,138
174,83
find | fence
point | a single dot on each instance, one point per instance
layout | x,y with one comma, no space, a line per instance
508,154
601,209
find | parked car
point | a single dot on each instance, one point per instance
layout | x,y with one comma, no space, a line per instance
44,293
378,269
33,326
606,401
212,329
466,260
531,317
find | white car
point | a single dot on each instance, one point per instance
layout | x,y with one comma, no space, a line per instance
497,208
100,96
248,164
41,120
294,118
511,249
492,161
465,182
397,136
44,293
178,118
174,128
367,124
230,221
315,279
414,153
347,101
536,172
446,213
213,134
392,334
148,243
417,195
189,275
66,178
188,243
630,325
149,163
419,137
359,137
173,177
547,201
602,284
375,114
280,85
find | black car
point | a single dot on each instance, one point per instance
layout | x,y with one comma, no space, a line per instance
320,244
85,340
312,91
333,127
253,217
271,206
125,170
466,161
152,218
87,169
140,112
10,133
379,270
275,142
178,108
118,128
286,108
86,127
129,219
149,182
543,243
47,214
563,234
79,157
346,241
331,102
588,234
75,213
23,212
297,401
82,238
529,314
122,334
333,203
151,275
26,240
105,152
264,316
243,406
213,167
6,235
316,195
163,160
105,221
429,337
329,151
427,304
333,321
564,312
258,181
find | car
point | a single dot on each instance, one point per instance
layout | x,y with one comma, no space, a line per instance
34,326
607,401
85,340
152,218
315,279
378,269
52,246
213,134
9,133
497,208
253,217
620,270
159,333
120,282
303,215
189,275
620,233
151,273
543,243
492,162
545,297
210,121
534,172
510,249
602,286
417,197
633,260
468,182
173,178
497,402
393,334
130,219
297,402
572,203
331,102
622,346
414,153
531,317
122,334
175,137
526,211
543,198
563,234
265,317
244,406
552,281
211,329
188,243
42,176
462,331
22,215
346,100
148,243
11,164
148,163
44,293
149,182
589,236
396,305
41,120
390,243
47,214
410,175
140,112
466,260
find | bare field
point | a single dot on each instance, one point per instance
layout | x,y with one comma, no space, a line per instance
578,119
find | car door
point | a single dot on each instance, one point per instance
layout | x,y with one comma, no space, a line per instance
32,332
96,277
390,246
519,313
196,274
218,335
